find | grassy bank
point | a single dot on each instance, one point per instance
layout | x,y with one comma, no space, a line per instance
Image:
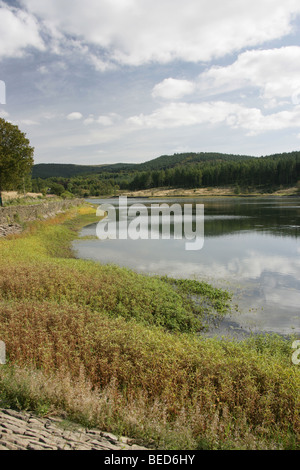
110,348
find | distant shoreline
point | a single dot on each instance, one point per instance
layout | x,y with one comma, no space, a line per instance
209,192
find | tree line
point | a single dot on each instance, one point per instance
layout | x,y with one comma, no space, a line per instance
79,186
275,170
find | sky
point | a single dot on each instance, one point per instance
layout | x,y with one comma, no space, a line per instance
108,81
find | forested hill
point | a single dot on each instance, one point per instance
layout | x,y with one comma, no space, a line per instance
170,161
185,170
69,170
65,170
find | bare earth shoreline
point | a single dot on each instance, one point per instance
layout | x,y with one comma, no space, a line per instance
207,192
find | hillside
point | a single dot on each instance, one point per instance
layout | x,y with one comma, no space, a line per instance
184,170
69,170
170,161
65,170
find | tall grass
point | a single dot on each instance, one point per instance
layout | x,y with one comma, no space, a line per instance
114,349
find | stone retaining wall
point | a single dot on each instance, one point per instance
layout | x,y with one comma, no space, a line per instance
17,214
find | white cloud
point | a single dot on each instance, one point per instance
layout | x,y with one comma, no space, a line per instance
19,30
28,122
182,114
142,31
49,116
275,72
3,114
104,120
100,64
43,69
236,116
255,122
74,116
171,88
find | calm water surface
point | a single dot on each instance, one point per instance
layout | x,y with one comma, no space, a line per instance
251,247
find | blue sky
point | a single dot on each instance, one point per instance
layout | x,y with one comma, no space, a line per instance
106,81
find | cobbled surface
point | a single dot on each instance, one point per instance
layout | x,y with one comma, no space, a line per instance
24,431
9,229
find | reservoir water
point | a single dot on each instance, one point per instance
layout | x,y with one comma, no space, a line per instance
251,248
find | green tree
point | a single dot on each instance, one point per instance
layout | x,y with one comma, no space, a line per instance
16,156
57,189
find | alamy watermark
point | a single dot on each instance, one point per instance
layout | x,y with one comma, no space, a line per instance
156,221
2,353
2,92
296,353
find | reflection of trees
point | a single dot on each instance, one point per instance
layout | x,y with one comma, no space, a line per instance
277,219
224,217
215,228
268,217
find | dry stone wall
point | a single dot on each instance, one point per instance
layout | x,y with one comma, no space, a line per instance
11,215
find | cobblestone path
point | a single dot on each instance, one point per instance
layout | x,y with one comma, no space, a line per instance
24,431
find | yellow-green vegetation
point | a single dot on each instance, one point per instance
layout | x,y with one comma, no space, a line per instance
110,348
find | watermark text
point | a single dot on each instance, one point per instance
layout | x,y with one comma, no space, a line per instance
2,92
157,221
2,353
296,353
